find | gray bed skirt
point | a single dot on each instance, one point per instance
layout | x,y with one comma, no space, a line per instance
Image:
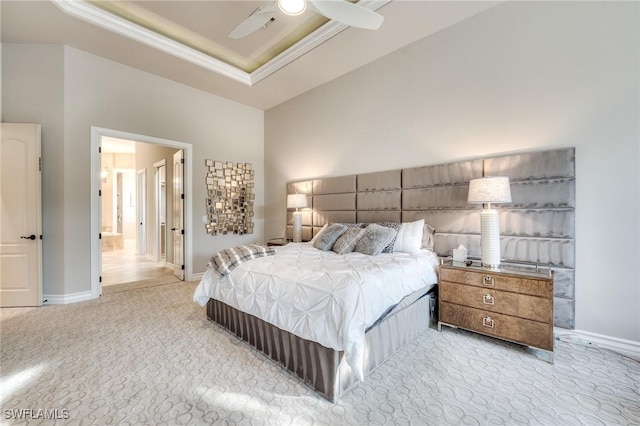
325,369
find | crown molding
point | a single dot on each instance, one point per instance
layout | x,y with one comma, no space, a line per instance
103,19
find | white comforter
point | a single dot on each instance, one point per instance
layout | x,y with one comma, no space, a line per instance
322,296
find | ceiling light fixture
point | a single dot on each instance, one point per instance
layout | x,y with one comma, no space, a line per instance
292,7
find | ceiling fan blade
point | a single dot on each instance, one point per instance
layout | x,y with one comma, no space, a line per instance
258,19
348,13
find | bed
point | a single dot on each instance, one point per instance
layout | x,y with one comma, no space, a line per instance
537,227
328,318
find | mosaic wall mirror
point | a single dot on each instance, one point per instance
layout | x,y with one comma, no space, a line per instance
229,198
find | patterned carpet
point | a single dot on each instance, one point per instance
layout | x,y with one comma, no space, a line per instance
150,356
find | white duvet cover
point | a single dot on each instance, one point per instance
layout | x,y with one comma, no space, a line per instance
322,296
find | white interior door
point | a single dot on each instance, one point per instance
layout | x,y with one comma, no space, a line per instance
20,215
178,214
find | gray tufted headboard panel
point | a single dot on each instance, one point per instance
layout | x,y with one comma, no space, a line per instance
537,226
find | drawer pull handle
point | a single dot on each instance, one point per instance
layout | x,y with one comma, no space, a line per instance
488,299
487,322
488,280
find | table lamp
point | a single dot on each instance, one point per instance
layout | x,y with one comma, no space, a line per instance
487,191
297,201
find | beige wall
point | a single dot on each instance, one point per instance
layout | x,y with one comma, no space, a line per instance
68,91
521,76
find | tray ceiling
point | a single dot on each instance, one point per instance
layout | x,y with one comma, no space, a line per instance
204,25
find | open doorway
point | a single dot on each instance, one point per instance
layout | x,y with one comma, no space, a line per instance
179,260
134,212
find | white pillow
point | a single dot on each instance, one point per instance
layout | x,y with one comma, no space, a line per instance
409,237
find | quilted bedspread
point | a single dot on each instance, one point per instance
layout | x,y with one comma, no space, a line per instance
322,296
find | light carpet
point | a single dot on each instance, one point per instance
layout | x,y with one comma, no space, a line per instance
150,356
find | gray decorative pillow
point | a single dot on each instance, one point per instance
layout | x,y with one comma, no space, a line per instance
354,225
315,237
428,232
375,239
395,226
329,236
347,242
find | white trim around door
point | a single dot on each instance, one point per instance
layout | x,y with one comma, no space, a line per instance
97,133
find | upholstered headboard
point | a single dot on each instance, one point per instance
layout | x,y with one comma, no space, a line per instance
538,226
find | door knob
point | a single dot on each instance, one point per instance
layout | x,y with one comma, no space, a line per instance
30,237
173,229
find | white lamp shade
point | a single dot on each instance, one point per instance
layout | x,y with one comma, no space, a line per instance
296,201
494,189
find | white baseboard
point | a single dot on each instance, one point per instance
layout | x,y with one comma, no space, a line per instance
625,347
63,299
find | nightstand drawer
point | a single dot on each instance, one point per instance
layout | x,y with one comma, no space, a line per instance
520,305
519,330
542,288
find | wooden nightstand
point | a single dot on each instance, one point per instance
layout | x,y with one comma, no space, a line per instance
277,242
510,304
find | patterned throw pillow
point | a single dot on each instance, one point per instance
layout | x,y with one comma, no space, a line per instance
348,225
354,225
396,227
375,239
325,240
347,242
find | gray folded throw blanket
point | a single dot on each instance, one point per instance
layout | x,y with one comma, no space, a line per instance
226,260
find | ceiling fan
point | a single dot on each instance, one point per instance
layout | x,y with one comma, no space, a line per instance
341,11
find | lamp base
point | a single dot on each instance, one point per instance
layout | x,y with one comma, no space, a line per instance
297,227
490,238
